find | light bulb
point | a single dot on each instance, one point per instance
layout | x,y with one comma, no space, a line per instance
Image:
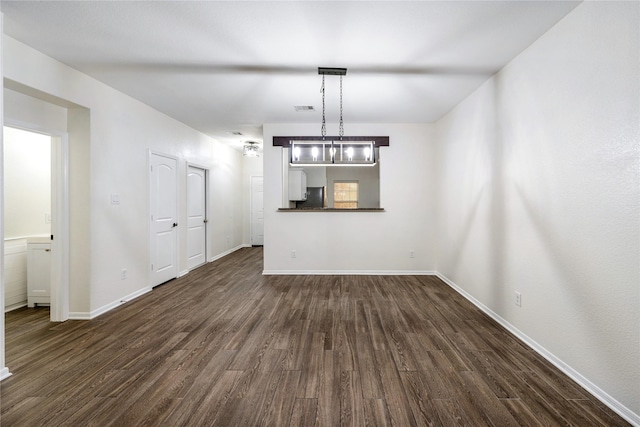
296,153
349,152
367,153
314,153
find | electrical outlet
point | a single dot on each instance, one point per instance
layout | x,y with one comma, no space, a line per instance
293,253
123,274
412,254
518,299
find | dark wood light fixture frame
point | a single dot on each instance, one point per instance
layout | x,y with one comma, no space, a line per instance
285,141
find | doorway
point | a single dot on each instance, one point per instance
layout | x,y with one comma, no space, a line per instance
36,215
257,211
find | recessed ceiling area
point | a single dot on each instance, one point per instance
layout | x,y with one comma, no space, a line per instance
232,66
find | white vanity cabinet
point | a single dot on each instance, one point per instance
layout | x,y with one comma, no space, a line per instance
38,271
297,185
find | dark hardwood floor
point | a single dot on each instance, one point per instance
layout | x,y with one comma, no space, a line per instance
227,346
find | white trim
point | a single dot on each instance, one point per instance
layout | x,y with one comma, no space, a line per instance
590,387
15,306
198,165
230,251
83,315
184,272
4,373
79,315
12,239
61,229
350,272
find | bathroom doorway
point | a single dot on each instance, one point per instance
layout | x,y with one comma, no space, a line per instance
35,220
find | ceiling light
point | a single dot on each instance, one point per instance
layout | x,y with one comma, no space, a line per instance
234,133
250,149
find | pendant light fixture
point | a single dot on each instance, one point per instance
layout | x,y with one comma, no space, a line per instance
336,151
250,149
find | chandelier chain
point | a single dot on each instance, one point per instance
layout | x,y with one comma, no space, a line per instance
341,120
323,129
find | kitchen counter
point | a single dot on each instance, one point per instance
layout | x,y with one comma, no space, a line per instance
330,210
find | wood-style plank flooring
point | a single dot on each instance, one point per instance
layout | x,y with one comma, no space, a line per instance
227,346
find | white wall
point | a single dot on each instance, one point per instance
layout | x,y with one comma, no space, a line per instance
27,189
225,214
110,135
357,241
24,109
316,176
538,193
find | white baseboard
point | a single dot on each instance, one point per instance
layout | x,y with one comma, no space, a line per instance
349,272
79,315
4,373
15,306
590,387
83,315
182,273
230,251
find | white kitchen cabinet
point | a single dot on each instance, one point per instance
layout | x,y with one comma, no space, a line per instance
38,272
297,185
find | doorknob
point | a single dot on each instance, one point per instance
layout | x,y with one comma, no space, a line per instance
175,224
205,221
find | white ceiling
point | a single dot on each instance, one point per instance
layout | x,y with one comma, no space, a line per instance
232,66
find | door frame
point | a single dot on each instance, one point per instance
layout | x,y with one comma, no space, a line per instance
59,306
150,235
207,246
251,206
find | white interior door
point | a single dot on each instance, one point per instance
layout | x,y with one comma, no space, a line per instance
196,217
257,211
164,218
